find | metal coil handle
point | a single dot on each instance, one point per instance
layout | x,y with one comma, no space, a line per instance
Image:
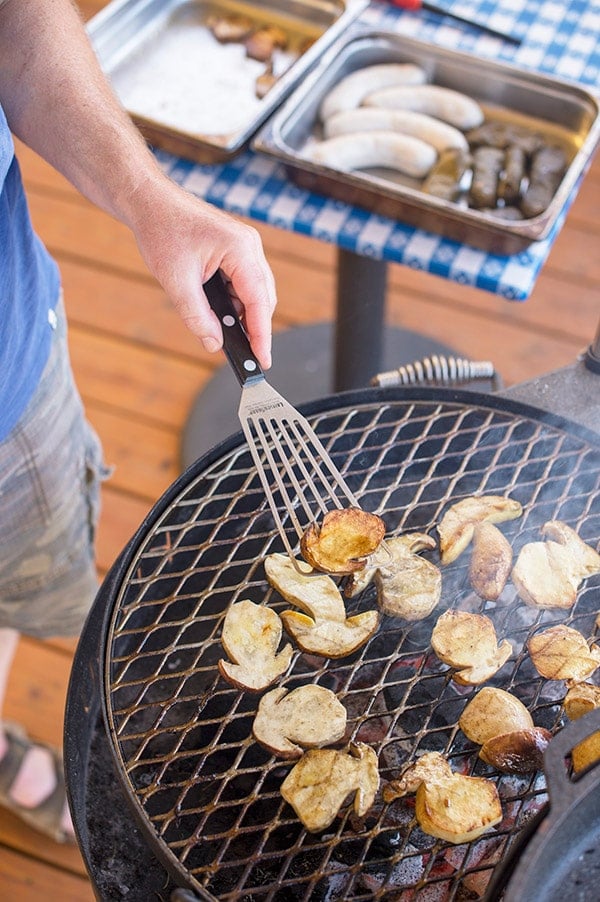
437,370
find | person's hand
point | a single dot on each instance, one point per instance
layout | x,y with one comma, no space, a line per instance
184,241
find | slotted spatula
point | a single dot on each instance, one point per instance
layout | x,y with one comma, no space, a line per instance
296,472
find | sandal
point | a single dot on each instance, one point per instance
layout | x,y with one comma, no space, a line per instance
45,817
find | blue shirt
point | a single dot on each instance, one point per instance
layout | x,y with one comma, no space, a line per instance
29,290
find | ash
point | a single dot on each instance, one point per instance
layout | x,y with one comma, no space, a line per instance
122,866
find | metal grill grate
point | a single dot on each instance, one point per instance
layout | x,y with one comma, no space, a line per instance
205,792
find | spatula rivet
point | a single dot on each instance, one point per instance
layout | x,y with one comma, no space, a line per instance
228,320
249,365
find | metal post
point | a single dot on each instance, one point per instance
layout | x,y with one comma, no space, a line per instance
359,320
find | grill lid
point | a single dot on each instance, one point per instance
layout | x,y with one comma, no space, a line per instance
204,792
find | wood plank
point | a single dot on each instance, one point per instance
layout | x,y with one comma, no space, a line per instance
23,879
36,696
152,387
145,457
121,516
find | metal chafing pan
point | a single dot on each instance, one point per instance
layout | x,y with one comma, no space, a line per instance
192,95
562,112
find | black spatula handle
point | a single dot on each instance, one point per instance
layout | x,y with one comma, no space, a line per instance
235,341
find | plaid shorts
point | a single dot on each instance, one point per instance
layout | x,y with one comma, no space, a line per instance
51,468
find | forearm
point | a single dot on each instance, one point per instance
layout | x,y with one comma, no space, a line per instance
58,102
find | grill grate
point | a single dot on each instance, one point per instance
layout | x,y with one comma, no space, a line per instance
204,791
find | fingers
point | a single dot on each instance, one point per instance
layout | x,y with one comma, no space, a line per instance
252,288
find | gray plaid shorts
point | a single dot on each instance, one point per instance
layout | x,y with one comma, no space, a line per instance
51,468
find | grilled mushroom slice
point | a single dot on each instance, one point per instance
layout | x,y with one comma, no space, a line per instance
492,712
579,700
519,752
251,637
562,653
343,541
450,806
468,642
320,782
307,717
491,561
458,523
408,585
324,628
548,574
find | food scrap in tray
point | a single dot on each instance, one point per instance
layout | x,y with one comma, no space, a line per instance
260,41
303,723
388,116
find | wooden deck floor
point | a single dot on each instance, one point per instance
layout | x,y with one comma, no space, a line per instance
139,372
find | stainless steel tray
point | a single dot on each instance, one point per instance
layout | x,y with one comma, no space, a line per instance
192,95
561,111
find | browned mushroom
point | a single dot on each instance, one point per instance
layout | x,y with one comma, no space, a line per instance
307,717
342,542
408,585
318,785
468,642
448,805
324,628
491,561
579,700
548,574
251,637
518,752
562,653
492,712
458,523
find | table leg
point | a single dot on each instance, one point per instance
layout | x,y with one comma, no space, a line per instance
360,320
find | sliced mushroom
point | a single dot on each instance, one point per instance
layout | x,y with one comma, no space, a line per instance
324,628
317,786
518,752
562,653
579,700
251,637
491,561
261,44
548,574
450,806
493,712
307,717
468,642
408,586
343,541
230,28
459,521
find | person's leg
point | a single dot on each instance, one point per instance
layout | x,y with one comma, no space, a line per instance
35,779
50,472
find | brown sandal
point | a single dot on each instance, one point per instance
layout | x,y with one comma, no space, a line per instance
45,817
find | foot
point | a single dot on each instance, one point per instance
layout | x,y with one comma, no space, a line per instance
32,784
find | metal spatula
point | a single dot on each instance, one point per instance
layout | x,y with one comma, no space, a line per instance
295,470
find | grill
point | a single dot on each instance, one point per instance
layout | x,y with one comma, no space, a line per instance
207,811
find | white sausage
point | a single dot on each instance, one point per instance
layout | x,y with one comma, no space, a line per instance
349,92
442,103
364,150
432,131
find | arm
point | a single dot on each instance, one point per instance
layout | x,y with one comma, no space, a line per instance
58,102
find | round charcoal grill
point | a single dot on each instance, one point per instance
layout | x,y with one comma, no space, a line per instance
204,794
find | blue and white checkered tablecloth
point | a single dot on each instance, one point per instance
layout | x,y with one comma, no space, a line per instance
558,38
